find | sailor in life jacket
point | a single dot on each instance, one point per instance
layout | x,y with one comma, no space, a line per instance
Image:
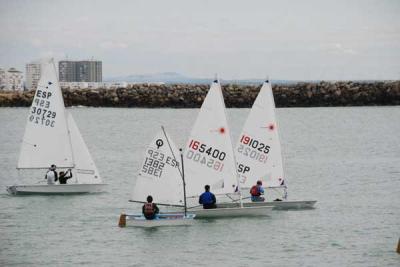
207,199
256,191
51,175
150,209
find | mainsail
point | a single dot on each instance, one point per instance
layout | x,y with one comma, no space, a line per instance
160,174
85,170
258,151
46,139
208,156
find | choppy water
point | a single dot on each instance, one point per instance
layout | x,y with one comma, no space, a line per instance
346,158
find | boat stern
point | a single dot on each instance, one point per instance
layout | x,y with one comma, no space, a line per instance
12,189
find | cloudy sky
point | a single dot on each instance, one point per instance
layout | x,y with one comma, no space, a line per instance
294,40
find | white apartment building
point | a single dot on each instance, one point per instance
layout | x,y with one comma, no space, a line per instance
3,79
33,72
11,80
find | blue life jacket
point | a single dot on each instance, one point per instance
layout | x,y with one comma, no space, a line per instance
206,198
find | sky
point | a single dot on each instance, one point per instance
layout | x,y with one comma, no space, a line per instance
289,40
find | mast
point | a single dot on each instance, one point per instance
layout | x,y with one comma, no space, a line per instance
233,154
184,184
72,150
285,187
182,173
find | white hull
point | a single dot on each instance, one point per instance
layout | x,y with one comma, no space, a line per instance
161,220
225,212
55,189
277,205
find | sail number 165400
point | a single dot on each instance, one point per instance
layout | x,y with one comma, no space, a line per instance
203,148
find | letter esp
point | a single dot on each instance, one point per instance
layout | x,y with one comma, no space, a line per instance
122,220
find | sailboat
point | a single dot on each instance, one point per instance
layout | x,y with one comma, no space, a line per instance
161,177
258,152
209,159
52,137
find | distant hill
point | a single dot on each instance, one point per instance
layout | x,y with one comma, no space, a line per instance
174,78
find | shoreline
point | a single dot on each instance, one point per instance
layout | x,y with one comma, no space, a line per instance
302,94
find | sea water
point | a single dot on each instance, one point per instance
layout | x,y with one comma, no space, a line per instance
346,158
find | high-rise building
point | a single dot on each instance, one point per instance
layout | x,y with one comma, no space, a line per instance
3,79
80,71
11,80
32,74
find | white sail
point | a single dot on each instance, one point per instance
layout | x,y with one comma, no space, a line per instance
46,139
208,156
159,175
85,171
258,151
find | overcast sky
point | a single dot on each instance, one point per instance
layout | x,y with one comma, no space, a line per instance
293,40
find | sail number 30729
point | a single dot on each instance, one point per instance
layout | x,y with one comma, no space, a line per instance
41,112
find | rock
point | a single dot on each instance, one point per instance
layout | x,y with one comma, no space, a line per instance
343,93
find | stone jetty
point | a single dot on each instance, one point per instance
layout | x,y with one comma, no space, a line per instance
303,94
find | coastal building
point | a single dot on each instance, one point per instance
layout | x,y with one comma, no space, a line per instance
80,71
93,85
11,80
3,79
32,75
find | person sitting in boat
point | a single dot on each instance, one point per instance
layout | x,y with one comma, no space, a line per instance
207,199
150,209
256,191
51,175
64,176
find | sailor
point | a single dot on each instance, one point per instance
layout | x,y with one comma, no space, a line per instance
64,176
51,175
150,209
256,191
207,199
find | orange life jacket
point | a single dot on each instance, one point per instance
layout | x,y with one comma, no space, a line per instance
254,191
149,209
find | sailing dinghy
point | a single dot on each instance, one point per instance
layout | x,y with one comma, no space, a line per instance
209,159
258,153
52,137
161,177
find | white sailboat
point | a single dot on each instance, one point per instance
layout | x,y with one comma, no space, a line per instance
52,137
258,152
161,177
209,159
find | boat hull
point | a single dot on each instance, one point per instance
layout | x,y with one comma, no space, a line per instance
59,189
137,220
226,212
277,205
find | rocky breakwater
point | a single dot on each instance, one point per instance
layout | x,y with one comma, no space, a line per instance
304,94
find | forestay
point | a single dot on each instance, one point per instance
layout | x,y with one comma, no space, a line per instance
258,151
85,170
160,174
46,139
208,156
